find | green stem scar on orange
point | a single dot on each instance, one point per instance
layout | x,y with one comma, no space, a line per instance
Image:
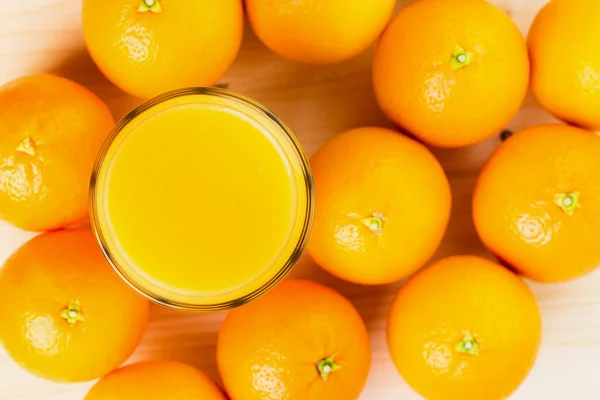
27,146
72,313
568,202
327,366
375,223
149,5
468,345
461,58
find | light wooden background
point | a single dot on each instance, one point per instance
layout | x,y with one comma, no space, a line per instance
317,103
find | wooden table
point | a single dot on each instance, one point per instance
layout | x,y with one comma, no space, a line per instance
317,103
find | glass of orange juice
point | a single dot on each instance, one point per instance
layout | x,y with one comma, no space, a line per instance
201,199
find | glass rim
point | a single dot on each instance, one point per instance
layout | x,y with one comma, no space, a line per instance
307,182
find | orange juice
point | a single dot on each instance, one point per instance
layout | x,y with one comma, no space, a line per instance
201,199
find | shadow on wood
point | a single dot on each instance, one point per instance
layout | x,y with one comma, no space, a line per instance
80,68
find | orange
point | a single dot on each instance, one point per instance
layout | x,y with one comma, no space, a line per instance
451,72
464,329
537,202
51,129
382,206
64,314
147,47
565,61
156,380
319,31
301,341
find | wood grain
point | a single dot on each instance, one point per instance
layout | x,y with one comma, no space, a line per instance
317,103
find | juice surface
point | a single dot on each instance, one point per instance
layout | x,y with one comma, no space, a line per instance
199,199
